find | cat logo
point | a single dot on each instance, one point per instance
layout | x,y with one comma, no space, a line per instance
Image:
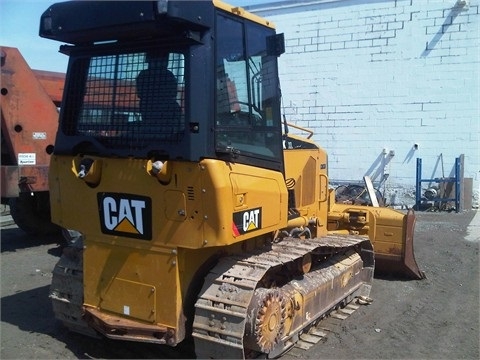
246,221
125,215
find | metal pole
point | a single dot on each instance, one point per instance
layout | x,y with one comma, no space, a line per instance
418,186
457,185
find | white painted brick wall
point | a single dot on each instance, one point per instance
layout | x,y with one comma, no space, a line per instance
373,75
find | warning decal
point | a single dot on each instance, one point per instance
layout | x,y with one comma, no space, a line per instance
27,159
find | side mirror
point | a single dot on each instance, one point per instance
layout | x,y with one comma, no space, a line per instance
276,45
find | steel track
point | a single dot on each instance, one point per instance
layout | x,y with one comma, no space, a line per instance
221,311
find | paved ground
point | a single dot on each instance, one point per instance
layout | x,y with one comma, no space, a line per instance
436,318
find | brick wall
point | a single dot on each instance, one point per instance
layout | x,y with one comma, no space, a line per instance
374,78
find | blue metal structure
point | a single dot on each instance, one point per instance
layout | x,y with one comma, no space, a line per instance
455,180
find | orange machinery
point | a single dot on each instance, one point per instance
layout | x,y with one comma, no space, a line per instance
29,105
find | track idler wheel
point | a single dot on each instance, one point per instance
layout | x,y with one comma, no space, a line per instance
266,320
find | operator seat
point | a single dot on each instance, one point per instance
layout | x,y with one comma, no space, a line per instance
157,91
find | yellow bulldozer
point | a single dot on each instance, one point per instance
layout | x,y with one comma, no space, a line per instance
195,211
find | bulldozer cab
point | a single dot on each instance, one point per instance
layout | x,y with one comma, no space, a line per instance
186,80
